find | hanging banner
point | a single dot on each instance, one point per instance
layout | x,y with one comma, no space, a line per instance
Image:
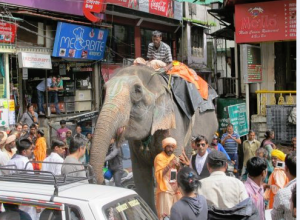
93,6
3,117
238,118
77,41
251,63
165,8
7,32
265,21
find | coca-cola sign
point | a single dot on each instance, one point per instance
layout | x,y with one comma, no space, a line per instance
165,8
265,21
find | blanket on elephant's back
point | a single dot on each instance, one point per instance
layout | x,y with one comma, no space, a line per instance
191,76
187,97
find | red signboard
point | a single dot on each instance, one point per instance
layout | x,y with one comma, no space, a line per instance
93,6
161,7
265,21
165,8
7,32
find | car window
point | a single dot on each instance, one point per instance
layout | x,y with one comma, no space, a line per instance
128,208
74,213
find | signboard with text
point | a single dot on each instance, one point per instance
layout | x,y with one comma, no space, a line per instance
165,8
265,21
238,118
251,63
93,6
34,60
7,32
77,41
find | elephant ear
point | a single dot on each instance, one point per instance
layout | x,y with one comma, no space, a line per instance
163,114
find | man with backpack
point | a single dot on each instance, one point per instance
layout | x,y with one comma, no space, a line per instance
115,163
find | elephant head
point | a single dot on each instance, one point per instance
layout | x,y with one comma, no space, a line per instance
136,100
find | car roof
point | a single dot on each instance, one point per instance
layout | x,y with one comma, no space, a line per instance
79,191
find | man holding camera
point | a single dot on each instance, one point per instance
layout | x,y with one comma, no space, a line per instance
166,166
278,178
281,207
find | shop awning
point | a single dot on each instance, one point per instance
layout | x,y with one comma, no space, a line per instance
224,33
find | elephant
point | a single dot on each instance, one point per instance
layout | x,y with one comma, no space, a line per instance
140,103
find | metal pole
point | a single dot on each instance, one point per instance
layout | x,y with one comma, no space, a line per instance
258,99
181,41
236,68
46,91
226,58
247,102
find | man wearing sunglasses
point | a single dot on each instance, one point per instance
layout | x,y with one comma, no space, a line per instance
158,50
198,161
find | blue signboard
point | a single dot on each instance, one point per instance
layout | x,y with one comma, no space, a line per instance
77,41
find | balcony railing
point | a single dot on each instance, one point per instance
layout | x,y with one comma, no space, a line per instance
267,97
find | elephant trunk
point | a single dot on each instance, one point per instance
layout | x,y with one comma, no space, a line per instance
114,114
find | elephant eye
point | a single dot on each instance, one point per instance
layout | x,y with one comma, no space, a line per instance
137,88
137,93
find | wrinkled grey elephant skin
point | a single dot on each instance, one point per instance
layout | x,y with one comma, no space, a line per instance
139,100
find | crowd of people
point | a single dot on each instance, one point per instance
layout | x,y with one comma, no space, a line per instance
199,187
25,148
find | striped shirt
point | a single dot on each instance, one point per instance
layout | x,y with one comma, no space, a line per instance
281,206
230,145
162,53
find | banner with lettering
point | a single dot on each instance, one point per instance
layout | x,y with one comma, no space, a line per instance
77,41
7,32
165,8
93,6
265,21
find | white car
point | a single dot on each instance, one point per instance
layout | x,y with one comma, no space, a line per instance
60,198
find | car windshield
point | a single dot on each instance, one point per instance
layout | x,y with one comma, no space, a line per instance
128,208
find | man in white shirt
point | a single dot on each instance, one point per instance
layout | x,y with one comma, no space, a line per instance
24,153
19,160
281,206
198,161
58,150
220,190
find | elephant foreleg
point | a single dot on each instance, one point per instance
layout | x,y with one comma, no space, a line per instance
143,178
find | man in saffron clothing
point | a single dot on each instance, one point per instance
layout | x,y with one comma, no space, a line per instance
166,166
278,178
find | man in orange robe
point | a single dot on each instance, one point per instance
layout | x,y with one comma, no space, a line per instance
40,149
278,178
167,192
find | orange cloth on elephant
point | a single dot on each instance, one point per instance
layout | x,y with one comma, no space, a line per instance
39,152
277,181
189,75
166,193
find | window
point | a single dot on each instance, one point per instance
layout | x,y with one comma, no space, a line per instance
128,208
74,213
121,42
197,41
